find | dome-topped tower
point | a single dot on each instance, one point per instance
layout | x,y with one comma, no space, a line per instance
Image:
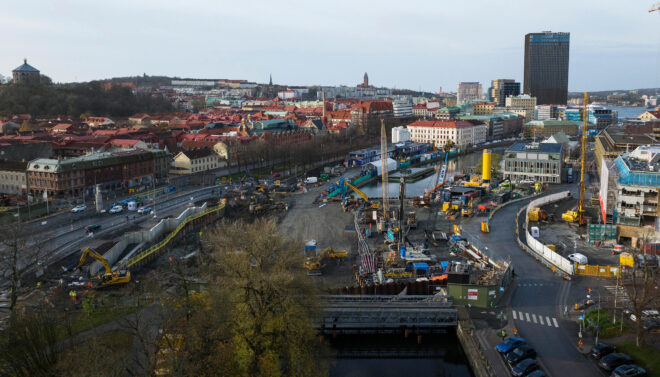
26,74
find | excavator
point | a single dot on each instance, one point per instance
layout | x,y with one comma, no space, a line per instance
469,210
313,263
344,183
537,214
109,277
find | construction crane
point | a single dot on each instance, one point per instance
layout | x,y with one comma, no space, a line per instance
655,7
109,277
441,175
342,186
572,216
385,173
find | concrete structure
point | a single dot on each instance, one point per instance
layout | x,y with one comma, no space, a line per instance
26,74
73,176
629,188
461,133
613,142
546,67
538,162
196,161
402,108
547,128
525,101
502,88
13,178
400,134
468,91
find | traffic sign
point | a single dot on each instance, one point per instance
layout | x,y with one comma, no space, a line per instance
580,318
580,342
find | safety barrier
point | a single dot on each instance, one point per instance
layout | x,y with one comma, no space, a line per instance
153,250
542,252
597,271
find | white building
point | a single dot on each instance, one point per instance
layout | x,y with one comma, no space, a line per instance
460,133
402,108
400,134
468,91
525,101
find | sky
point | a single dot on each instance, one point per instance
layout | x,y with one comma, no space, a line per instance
401,44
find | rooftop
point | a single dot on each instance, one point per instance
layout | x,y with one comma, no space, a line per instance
25,67
552,123
535,147
441,124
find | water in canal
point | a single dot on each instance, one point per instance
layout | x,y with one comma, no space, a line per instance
455,166
393,356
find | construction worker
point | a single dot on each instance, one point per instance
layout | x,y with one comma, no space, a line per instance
73,296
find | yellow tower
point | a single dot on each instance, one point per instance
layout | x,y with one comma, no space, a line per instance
485,174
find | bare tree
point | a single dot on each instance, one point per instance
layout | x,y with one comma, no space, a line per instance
643,286
20,252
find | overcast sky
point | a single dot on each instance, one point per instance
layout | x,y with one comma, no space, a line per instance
615,44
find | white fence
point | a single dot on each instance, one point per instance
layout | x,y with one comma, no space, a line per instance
539,248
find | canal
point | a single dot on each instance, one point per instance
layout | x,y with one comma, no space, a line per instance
393,356
454,166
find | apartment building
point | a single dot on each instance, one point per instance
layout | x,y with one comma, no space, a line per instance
13,179
460,133
469,91
402,108
525,101
196,161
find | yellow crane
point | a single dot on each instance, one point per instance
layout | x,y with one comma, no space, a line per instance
384,175
109,277
578,215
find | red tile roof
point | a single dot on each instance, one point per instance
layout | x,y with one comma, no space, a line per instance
441,123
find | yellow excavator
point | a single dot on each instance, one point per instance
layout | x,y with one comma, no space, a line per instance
313,263
374,205
109,277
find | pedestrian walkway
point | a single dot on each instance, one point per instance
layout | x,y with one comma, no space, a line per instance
533,318
621,295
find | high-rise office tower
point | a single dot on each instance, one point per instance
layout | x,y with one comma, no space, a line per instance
546,67
468,91
502,88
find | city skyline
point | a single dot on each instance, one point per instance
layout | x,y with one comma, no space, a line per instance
305,44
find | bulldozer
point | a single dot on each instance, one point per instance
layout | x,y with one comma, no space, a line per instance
570,216
107,278
537,214
313,264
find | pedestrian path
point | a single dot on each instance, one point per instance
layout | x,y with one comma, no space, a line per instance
534,318
621,295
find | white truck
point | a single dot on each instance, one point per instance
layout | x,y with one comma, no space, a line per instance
309,180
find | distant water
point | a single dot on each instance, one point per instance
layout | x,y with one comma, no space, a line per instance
628,111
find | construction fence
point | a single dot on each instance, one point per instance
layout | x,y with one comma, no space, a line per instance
542,252
597,271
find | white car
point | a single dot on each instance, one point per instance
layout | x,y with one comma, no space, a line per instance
79,208
578,258
116,209
143,210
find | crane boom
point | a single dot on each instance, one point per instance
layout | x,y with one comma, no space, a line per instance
357,191
585,122
88,252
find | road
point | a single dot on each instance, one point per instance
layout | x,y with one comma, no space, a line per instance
538,299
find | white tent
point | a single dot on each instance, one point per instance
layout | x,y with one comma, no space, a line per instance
391,165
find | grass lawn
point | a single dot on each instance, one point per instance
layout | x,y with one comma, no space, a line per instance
603,319
647,357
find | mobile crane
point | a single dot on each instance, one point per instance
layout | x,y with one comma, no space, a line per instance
109,277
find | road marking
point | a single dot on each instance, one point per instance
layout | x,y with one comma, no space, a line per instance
534,318
540,285
520,314
541,319
514,314
527,315
548,320
554,320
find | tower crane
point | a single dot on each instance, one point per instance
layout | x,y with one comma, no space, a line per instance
578,216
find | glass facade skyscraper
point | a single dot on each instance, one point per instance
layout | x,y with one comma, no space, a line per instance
546,67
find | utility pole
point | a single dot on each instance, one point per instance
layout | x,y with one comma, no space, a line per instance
385,173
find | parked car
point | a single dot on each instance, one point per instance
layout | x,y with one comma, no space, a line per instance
578,258
629,370
524,368
92,227
519,354
652,324
116,209
613,360
509,344
646,314
601,349
143,210
79,208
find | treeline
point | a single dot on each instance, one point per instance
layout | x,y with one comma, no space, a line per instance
88,98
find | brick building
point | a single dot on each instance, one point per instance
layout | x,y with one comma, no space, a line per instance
366,115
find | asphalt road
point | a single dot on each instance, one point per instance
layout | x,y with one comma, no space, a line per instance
537,303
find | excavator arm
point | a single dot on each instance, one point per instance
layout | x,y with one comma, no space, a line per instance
88,252
357,191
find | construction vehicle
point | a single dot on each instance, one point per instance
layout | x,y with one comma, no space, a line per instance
485,226
468,211
344,183
570,216
484,179
445,206
536,214
441,175
107,278
313,264
412,220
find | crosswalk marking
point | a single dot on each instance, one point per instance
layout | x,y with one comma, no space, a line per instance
534,317
541,319
548,320
555,322
514,314
527,315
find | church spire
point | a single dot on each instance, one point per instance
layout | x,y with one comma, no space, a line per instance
270,82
